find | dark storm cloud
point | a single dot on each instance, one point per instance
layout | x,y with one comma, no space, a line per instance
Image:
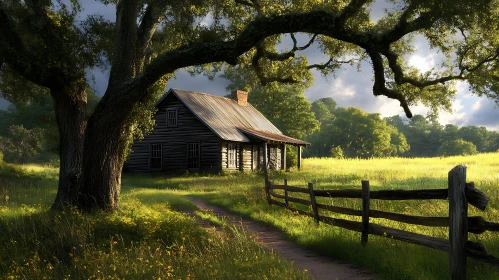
97,79
3,104
485,113
97,8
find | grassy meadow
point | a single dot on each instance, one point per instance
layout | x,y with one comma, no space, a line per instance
150,238
243,193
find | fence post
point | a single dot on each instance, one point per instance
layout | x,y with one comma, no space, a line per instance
268,185
286,193
458,217
366,197
314,204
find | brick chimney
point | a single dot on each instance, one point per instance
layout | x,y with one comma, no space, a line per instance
241,97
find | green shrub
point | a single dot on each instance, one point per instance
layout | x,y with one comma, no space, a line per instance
291,157
457,147
337,152
22,145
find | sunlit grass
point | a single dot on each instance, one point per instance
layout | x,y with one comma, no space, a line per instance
148,238
243,193
149,231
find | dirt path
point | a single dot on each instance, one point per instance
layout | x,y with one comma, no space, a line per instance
319,267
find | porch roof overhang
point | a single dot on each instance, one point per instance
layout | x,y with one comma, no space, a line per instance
270,137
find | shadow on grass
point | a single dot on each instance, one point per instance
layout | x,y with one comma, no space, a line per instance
161,198
392,259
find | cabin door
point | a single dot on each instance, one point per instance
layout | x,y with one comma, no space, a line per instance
155,156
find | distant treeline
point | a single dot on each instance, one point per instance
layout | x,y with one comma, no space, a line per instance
353,133
28,130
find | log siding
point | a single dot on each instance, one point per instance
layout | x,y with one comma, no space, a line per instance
174,140
196,120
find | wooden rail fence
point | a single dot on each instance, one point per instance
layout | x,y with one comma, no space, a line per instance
459,193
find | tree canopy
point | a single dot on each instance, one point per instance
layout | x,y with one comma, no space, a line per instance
49,44
353,133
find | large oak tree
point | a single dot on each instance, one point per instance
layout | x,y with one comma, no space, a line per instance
49,44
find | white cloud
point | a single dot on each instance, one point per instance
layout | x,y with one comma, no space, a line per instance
388,107
207,20
456,116
339,90
462,87
423,63
477,106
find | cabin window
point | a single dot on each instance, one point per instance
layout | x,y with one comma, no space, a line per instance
192,155
155,156
171,117
232,155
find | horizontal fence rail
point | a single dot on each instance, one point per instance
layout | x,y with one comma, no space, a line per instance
459,193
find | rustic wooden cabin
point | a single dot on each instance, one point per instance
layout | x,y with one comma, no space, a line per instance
202,132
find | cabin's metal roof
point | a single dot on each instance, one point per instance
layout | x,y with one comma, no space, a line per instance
272,137
228,119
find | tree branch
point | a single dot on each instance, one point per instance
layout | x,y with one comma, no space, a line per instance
404,27
260,52
313,22
489,58
330,64
48,29
295,43
400,77
380,88
198,53
351,9
150,22
124,51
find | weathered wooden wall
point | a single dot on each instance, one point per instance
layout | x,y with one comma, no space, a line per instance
246,157
174,141
245,154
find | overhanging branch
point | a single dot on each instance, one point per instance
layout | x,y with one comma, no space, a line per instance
261,52
380,88
124,51
313,22
351,9
198,53
150,22
331,64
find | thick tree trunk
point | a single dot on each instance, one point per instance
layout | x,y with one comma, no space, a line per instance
92,152
70,104
105,144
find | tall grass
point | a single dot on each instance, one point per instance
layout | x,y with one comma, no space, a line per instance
243,193
147,238
150,238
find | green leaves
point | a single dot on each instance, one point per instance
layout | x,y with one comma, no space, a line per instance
457,147
22,145
353,133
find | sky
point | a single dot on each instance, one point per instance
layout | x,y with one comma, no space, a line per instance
349,87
